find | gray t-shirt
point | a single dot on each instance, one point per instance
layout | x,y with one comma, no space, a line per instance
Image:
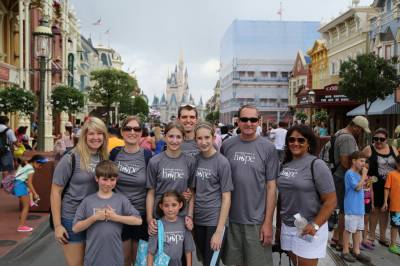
297,190
252,164
345,145
103,238
190,147
165,174
82,182
132,178
177,241
212,178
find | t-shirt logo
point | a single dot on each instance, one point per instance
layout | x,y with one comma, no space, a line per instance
173,237
100,209
244,157
203,173
128,169
288,172
191,152
169,173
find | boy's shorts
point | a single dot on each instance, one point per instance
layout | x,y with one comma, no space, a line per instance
354,223
7,161
395,219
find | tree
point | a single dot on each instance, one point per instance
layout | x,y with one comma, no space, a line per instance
67,99
13,99
212,117
367,78
134,106
111,87
321,116
301,116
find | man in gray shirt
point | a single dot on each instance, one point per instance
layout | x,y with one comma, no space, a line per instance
187,117
255,165
345,144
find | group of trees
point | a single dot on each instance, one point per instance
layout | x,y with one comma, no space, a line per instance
111,87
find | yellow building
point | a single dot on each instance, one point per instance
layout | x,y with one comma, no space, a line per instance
319,65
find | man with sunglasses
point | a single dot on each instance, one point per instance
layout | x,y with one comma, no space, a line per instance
345,144
187,117
254,163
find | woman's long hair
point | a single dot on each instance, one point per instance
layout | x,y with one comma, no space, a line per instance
307,133
82,148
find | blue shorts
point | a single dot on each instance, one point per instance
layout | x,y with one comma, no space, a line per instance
7,162
73,237
20,188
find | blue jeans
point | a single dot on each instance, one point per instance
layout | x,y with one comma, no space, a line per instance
73,237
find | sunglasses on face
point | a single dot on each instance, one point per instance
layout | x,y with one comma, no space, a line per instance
246,119
129,129
376,139
292,140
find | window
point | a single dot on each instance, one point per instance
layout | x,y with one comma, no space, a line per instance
285,74
333,68
379,52
250,74
273,74
388,5
264,74
242,73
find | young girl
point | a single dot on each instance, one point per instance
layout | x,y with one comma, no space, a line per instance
24,186
177,239
369,205
170,170
213,194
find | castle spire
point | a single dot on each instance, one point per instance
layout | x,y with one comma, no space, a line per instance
181,57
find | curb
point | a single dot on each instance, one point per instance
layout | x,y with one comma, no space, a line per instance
41,231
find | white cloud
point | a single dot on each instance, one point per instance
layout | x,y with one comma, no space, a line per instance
210,69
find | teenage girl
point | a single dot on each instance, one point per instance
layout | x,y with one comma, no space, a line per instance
24,185
178,241
170,170
213,184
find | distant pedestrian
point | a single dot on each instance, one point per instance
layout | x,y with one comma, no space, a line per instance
392,202
160,143
114,139
23,187
254,164
7,141
354,209
280,136
146,141
78,182
101,215
396,141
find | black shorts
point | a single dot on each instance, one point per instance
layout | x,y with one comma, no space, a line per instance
202,238
339,187
368,208
395,219
379,188
135,232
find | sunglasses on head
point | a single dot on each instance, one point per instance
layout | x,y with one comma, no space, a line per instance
376,139
129,129
246,119
299,140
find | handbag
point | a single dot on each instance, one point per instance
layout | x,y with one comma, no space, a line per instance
160,259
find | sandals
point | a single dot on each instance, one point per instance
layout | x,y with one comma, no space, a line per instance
384,243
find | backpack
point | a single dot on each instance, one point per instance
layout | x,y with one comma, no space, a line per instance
8,182
3,142
113,154
327,153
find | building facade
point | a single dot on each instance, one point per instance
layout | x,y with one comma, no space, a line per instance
214,103
256,60
299,78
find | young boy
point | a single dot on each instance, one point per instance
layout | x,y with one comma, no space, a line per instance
354,209
102,215
392,192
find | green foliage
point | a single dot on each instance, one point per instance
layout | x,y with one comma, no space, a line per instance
111,87
134,106
67,99
301,115
321,116
367,78
212,117
14,100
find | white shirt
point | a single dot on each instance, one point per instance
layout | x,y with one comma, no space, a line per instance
280,136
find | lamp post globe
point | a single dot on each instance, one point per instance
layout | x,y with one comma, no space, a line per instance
43,40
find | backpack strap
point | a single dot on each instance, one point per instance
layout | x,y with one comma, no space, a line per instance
313,177
73,164
114,153
392,151
147,155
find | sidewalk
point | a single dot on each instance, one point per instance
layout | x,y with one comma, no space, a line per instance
9,211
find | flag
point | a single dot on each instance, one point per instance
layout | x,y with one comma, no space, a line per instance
98,22
107,32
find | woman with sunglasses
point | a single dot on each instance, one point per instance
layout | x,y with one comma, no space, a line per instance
170,170
132,160
306,187
382,160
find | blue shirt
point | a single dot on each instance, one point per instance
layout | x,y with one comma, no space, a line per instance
353,199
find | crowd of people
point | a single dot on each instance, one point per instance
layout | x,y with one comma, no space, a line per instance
215,189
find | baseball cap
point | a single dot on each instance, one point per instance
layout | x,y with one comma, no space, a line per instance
39,159
362,122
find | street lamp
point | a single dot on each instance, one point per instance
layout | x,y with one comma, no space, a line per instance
311,100
43,40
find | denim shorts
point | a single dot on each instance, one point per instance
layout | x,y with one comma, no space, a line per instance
73,237
7,162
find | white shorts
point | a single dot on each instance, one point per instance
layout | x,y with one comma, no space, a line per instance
353,223
316,249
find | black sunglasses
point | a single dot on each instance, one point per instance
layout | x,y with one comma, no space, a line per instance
376,139
299,140
129,129
246,119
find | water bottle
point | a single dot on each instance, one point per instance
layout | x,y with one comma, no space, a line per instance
300,222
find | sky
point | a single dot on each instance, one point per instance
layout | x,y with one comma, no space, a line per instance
149,34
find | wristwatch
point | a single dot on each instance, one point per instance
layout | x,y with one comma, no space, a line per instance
316,226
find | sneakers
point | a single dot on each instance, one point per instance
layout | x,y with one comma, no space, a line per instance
24,229
347,257
394,249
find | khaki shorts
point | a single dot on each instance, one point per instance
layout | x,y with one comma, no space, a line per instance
243,246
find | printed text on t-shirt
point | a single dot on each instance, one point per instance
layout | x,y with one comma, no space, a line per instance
169,173
203,173
288,172
173,237
245,157
127,169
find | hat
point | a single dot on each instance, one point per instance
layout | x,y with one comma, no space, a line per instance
362,122
39,159
68,124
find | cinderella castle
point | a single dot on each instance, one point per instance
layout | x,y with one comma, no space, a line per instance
176,94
